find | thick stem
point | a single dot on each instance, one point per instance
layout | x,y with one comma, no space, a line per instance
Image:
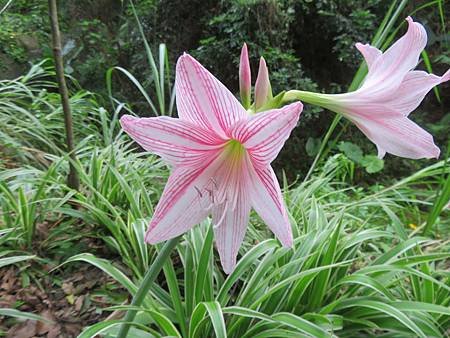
73,180
317,99
146,284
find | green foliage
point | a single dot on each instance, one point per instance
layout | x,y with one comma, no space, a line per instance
118,200
23,30
160,79
371,163
9,43
89,51
352,151
356,269
312,146
341,278
442,198
240,22
31,114
355,22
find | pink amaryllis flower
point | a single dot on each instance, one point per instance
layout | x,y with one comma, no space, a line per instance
220,157
389,93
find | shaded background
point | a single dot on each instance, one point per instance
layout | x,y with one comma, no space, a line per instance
308,45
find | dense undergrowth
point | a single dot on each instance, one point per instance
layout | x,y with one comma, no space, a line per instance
360,265
369,259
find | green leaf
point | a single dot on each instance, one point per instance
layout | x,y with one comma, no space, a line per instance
390,310
106,267
243,265
203,265
110,326
372,164
352,151
15,259
312,146
160,319
301,324
22,315
215,313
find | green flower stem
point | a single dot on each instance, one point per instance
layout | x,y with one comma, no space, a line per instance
146,284
321,100
317,99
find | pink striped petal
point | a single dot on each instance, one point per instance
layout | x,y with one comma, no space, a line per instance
204,100
176,141
245,77
183,203
413,89
264,134
229,229
267,200
369,53
262,84
397,135
389,69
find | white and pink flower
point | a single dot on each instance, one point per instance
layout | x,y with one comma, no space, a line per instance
220,157
389,93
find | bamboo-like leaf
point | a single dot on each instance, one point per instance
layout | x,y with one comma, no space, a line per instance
14,259
215,314
22,315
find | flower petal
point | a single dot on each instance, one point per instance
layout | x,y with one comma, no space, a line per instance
396,134
390,68
176,141
267,200
229,229
413,89
182,204
204,100
369,53
264,134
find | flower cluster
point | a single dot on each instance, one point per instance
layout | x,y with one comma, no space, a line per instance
220,150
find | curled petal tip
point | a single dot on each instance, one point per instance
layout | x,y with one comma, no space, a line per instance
147,239
288,241
228,270
127,119
370,53
362,46
185,56
298,105
381,152
150,239
436,152
446,76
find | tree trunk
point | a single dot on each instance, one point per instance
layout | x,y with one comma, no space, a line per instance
73,180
